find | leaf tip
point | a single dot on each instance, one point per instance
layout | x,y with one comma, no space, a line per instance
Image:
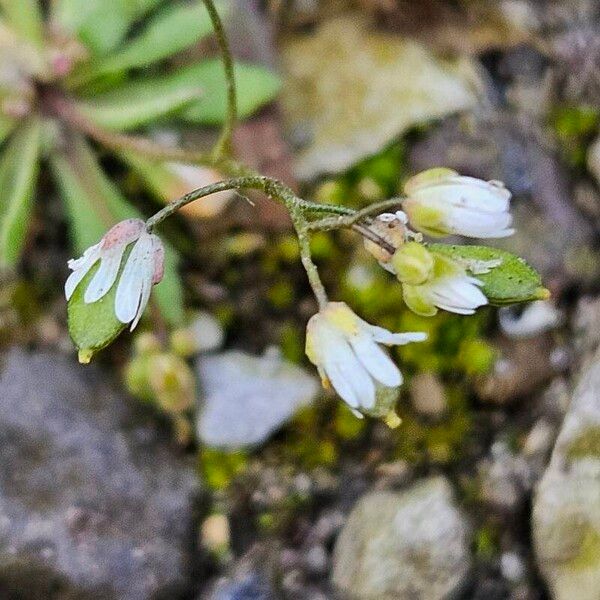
85,355
542,293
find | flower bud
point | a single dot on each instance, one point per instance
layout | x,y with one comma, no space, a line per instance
413,263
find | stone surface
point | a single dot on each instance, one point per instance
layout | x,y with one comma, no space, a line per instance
566,512
351,90
246,398
404,546
93,502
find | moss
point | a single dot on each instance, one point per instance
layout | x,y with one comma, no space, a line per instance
575,127
486,542
218,468
588,555
587,444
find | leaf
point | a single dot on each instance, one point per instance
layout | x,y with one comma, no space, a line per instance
256,86
25,18
100,24
512,281
92,326
7,124
136,103
169,32
94,204
18,173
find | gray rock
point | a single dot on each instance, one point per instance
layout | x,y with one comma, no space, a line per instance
411,545
93,503
247,398
566,512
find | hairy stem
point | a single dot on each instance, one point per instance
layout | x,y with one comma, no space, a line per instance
223,147
349,219
275,190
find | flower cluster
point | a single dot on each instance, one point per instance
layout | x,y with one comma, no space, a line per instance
346,350
440,202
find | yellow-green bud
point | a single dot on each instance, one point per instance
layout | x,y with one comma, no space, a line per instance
413,263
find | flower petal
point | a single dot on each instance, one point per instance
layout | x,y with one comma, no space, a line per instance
383,336
347,376
375,360
81,267
106,275
139,266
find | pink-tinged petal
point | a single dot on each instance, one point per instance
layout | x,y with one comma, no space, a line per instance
81,267
139,267
159,259
124,232
106,275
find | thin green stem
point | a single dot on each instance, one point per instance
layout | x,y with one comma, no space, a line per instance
275,190
347,220
223,147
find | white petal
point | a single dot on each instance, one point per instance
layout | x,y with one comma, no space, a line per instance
81,267
145,296
139,266
383,336
375,360
106,275
348,377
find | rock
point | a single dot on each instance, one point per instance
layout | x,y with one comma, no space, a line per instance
247,398
410,545
566,510
251,587
428,395
93,502
505,478
395,84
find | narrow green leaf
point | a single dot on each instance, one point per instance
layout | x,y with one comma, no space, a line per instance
25,18
94,204
18,172
172,30
92,326
513,280
7,125
137,103
256,86
100,24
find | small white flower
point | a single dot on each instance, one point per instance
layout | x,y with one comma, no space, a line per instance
345,349
143,268
449,288
441,202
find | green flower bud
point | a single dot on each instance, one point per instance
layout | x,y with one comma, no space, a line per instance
413,263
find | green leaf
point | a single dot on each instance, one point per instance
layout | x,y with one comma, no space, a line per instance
513,280
25,17
100,24
94,204
256,86
92,326
172,30
137,103
7,124
18,173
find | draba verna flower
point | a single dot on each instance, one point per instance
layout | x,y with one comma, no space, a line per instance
441,202
346,351
143,268
449,287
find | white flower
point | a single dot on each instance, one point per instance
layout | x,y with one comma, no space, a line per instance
345,349
143,268
449,288
441,202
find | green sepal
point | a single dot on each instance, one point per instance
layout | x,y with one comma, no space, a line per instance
512,281
93,326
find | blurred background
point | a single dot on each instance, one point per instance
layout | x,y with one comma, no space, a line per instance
198,458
